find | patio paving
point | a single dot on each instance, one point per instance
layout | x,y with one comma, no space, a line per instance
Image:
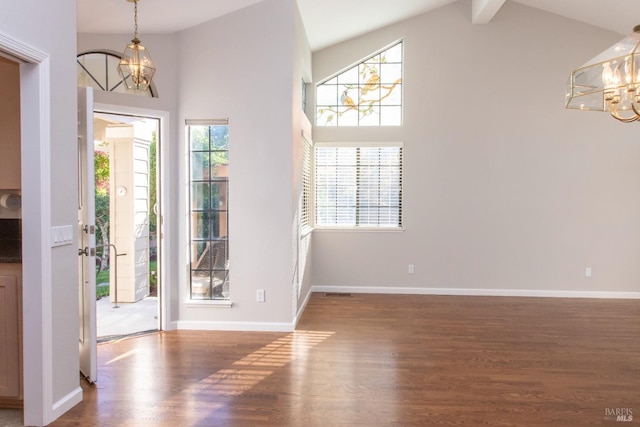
129,318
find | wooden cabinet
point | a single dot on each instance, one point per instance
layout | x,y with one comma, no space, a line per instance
10,335
10,124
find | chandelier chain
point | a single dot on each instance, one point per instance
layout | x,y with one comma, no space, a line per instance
135,18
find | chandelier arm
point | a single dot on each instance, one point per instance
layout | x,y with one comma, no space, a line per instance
635,110
616,116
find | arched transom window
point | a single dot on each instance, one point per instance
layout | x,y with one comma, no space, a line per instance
99,70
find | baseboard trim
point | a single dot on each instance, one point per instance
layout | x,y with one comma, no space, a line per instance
195,325
66,403
476,292
302,307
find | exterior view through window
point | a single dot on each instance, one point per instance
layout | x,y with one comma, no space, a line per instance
209,214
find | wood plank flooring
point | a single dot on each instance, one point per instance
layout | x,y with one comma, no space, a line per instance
383,360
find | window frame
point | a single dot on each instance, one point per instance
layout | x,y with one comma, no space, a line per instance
210,297
361,86
359,228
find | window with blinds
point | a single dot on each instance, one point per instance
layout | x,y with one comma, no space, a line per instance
306,208
358,186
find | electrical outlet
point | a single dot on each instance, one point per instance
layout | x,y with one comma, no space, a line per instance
587,272
411,269
260,295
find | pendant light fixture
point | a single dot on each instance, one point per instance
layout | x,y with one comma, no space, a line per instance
136,67
610,82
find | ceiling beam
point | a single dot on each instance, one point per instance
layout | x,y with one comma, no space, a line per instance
483,11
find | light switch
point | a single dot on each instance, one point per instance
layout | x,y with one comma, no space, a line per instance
62,235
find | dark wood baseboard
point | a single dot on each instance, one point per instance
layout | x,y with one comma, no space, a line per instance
11,403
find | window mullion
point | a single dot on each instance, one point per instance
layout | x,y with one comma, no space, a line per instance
106,72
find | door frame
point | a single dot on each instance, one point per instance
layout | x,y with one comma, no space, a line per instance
164,238
35,142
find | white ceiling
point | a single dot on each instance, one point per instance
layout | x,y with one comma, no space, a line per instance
327,21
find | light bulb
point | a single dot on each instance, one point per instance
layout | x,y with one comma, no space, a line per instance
628,74
607,75
616,76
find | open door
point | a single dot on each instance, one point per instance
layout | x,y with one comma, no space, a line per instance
86,237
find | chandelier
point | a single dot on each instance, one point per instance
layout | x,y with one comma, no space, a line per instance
610,81
136,67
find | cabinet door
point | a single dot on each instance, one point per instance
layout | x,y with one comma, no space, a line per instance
10,337
10,124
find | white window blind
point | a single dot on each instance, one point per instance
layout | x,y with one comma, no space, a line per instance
358,186
306,209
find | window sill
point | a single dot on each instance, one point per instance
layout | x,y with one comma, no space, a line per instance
205,303
360,229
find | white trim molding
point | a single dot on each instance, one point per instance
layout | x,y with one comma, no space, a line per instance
301,309
35,128
20,50
195,325
166,200
204,303
67,402
476,292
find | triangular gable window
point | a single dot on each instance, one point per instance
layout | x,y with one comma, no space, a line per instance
367,94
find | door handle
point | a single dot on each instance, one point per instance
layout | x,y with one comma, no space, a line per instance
87,252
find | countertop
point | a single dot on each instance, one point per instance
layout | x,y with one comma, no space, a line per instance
10,259
10,241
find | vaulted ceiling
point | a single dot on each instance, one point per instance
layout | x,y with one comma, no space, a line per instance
332,21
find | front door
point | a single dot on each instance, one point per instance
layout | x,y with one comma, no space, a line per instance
86,237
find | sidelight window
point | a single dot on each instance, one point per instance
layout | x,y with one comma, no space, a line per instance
209,209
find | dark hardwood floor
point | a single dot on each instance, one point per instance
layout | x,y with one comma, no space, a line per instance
383,360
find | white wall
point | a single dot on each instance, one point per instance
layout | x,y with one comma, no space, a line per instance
503,188
253,77
301,130
241,66
51,301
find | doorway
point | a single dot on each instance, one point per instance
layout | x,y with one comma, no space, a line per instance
127,216
11,311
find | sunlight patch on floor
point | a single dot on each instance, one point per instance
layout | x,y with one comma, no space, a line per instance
247,372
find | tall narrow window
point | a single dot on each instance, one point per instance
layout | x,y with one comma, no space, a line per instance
209,211
367,94
358,186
